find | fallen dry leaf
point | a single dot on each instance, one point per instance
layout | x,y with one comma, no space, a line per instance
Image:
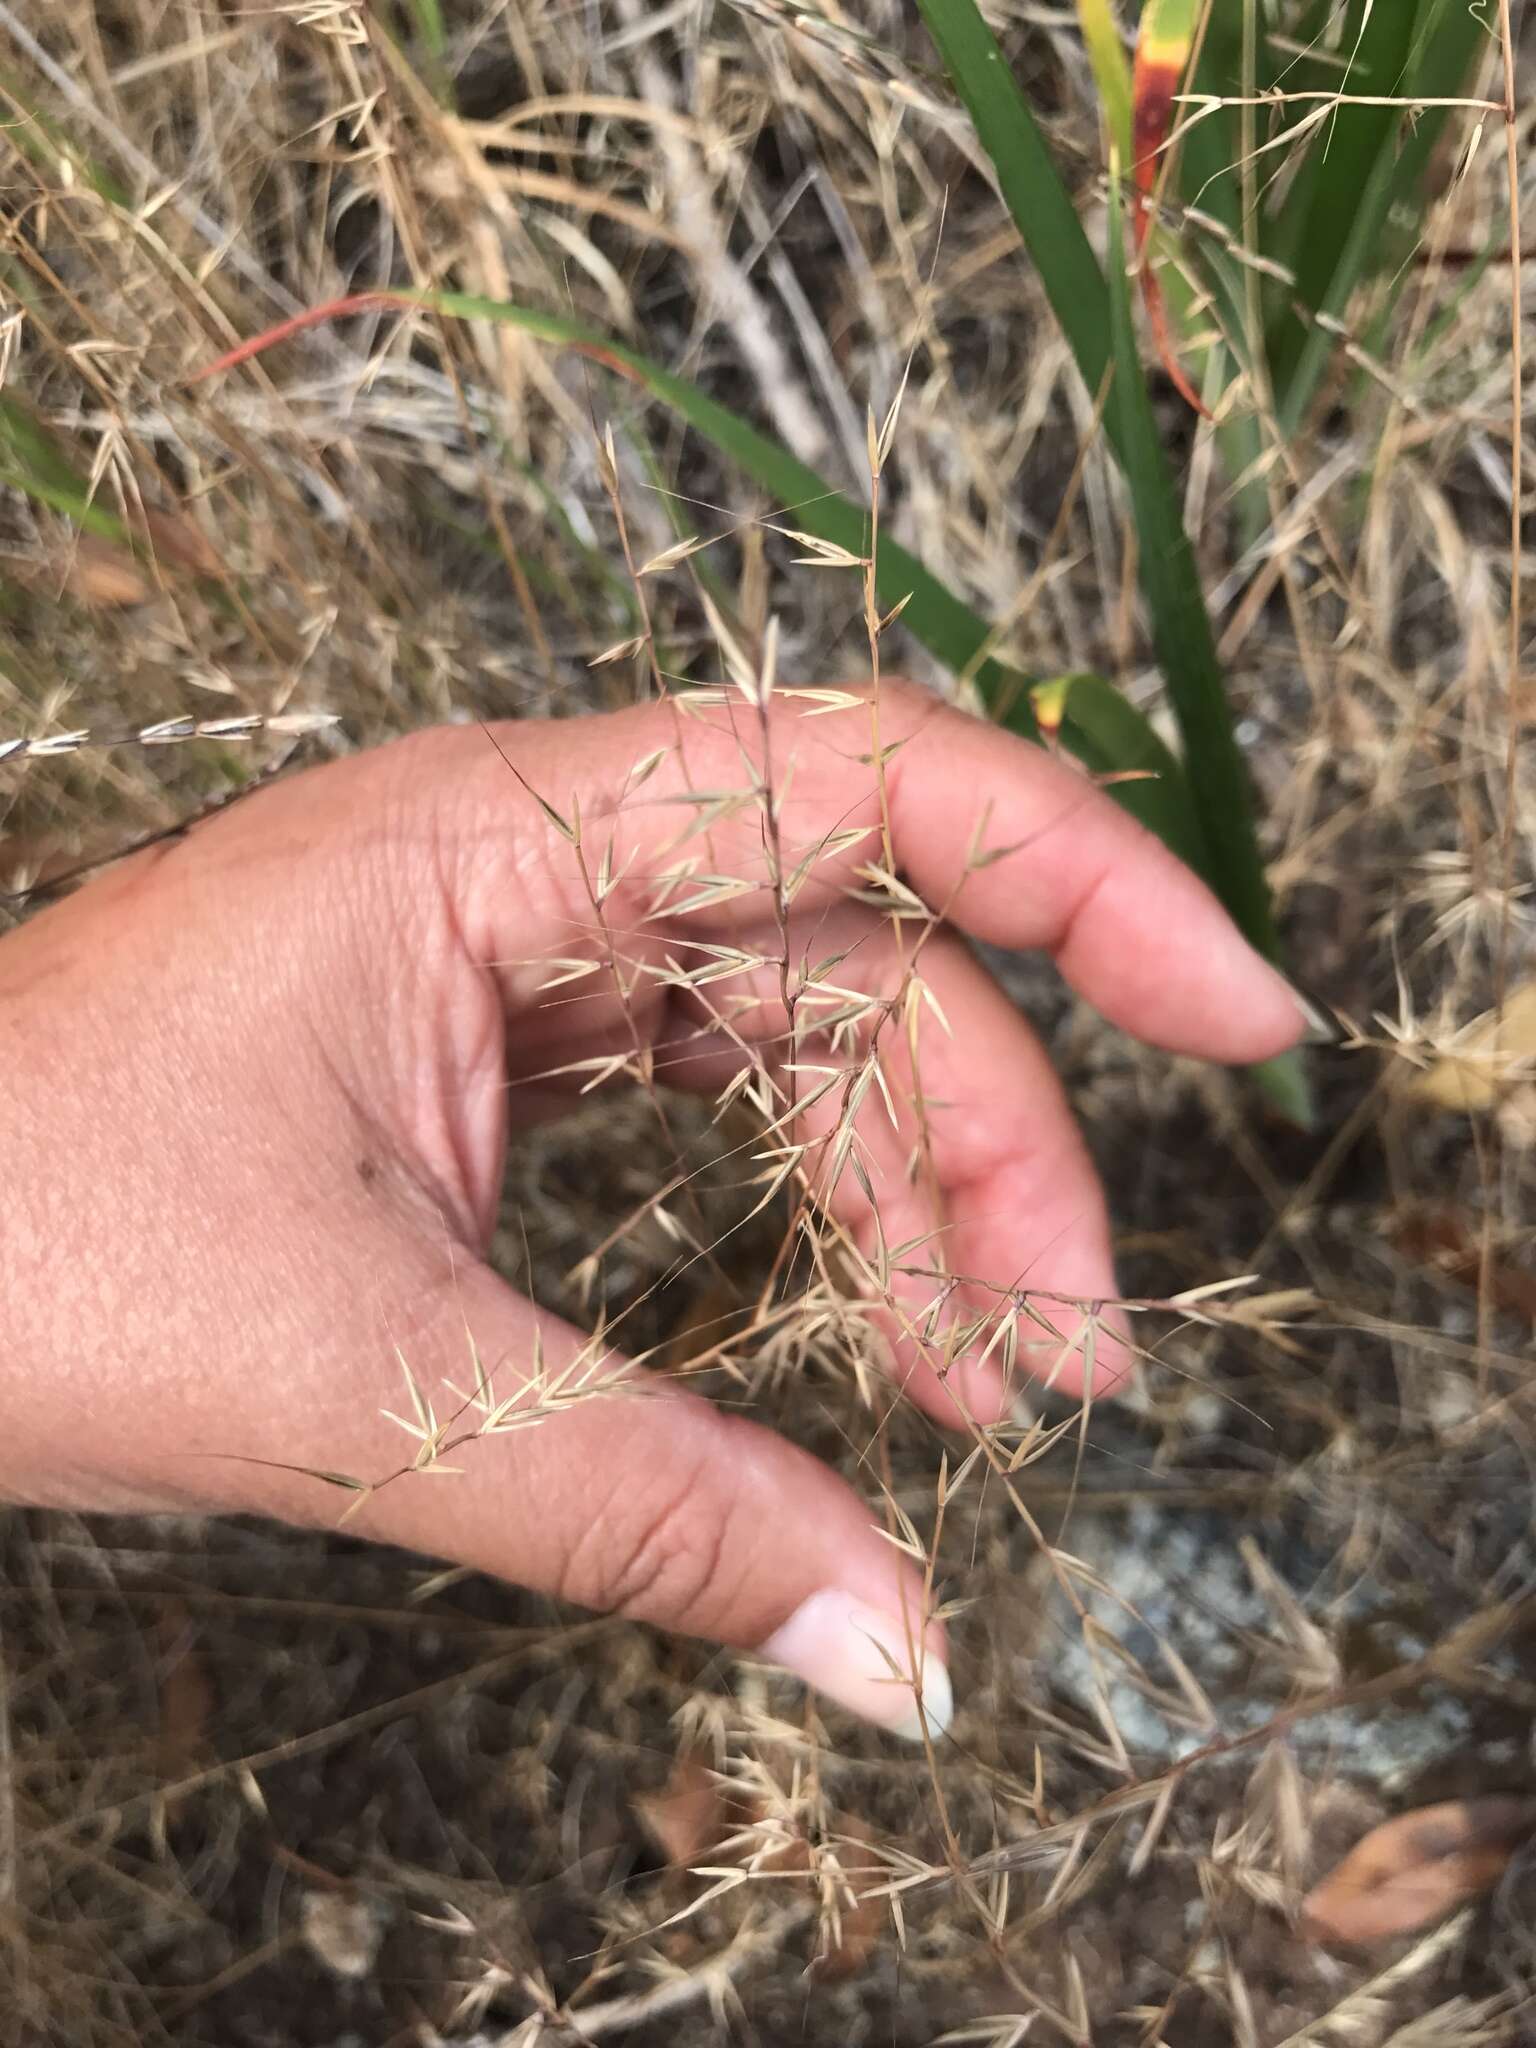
116,575
1486,1057
1414,1870
706,1321
101,573
688,1817
177,538
1448,1242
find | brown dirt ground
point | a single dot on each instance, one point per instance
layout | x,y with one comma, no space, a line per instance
264,1787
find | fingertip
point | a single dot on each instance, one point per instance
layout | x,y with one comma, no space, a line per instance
881,1665
1152,949
1262,1014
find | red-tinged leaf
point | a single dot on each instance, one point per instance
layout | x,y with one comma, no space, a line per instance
1162,56
1050,702
1414,1870
312,316
1162,52
1157,319
689,1816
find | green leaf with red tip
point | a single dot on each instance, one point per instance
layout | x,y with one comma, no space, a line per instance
1095,317
1163,46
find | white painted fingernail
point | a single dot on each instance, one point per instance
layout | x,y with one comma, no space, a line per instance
863,1659
1320,1029
1024,1412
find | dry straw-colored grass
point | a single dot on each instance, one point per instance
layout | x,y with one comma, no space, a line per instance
257,1786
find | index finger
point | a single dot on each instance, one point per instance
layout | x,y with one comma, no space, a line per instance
1013,844
1132,929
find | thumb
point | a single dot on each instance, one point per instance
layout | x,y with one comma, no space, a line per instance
578,1475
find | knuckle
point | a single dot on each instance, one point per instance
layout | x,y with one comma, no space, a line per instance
653,1552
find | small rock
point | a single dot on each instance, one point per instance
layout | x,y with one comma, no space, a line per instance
342,1930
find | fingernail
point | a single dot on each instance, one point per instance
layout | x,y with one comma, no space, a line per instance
1023,1412
1319,1028
863,1659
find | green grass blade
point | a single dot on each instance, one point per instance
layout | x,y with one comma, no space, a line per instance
28,447
428,17
1287,1081
1111,73
1096,318
1329,225
1363,170
1333,155
1039,202
1181,626
39,138
1112,737
32,462
429,36
1219,786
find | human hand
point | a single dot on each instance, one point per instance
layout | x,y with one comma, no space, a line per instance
259,1084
